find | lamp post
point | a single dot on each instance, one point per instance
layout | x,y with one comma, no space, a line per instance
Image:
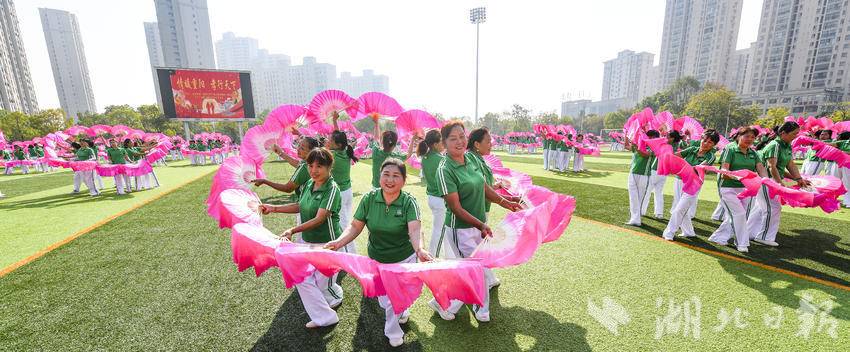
477,16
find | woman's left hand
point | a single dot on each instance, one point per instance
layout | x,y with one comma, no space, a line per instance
424,256
512,206
286,234
803,182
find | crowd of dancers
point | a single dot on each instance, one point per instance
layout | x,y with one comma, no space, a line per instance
765,153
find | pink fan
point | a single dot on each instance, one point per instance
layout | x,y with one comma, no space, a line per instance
659,146
120,130
516,238
378,105
323,105
253,246
560,214
665,121
258,142
100,129
414,162
689,126
238,206
415,122
78,130
296,262
288,117
448,280
236,172
841,127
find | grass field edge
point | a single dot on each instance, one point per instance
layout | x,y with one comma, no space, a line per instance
66,240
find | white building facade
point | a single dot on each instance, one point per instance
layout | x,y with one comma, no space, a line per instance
17,92
68,61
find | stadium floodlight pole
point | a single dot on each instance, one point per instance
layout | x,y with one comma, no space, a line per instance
477,16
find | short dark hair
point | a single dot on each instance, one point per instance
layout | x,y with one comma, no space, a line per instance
321,156
712,134
449,126
477,135
397,163
653,134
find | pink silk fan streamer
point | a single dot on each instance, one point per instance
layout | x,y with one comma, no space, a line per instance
253,246
297,261
448,280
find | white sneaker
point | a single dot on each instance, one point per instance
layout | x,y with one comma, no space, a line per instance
743,249
403,319
484,318
495,283
336,304
766,242
629,223
667,238
396,342
443,314
687,236
718,242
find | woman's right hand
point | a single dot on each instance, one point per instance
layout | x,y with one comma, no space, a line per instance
485,231
266,209
332,245
258,182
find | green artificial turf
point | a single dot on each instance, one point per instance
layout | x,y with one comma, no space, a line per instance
161,278
809,244
40,210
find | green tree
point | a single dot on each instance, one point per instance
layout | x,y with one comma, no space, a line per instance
674,98
520,118
617,118
715,104
16,125
593,123
775,116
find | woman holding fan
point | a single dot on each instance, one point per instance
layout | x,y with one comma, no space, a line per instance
685,209
318,206
464,188
343,157
737,156
763,222
392,217
430,151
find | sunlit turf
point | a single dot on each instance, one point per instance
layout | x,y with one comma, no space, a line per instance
161,278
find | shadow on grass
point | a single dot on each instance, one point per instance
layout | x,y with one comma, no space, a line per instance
287,331
808,245
513,328
60,200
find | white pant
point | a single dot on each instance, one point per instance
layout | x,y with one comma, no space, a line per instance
763,221
346,198
392,329
25,169
681,216
832,169
98,180
119,184
812,168
735,222
461,243
554,159
578,163
845,179
86,177
545,159
564,160
719,212
677,192
638,189
318,293
438,214
656,186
